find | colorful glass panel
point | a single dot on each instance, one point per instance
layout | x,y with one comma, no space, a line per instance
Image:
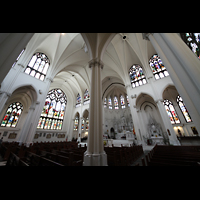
183,109
171,112
116,103
54,108
38,66
122,102
193,42
137,76
157,67
12,115
78,100
86,95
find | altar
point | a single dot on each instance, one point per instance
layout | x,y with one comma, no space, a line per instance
157,140
155,135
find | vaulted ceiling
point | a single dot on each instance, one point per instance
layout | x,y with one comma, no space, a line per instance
69,54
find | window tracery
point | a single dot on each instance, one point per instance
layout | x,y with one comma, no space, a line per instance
157,67
193,42
183,109
171,112
116,103
137,76
12,115
86,97
38,66
122,102
53,111
78,100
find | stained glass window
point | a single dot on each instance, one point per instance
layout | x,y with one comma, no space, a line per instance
127,100
38,66
87,124
157,67
18,57
193,42
137,76
86,97
183,109
171,111
76,123
78,100
122,102
12,115
105,103
53,111
116,103
110,103
82,125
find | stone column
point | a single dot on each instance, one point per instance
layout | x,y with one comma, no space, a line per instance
79,128
3,98
95,155
27,126
183,68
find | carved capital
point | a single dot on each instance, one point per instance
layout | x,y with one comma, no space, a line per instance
7,93
146,36
49,79
96,62
157,101
21,65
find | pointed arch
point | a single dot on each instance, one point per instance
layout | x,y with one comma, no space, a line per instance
53,111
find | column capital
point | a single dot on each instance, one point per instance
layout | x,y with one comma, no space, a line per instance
96,62
7,93
49,79
146,36
157,101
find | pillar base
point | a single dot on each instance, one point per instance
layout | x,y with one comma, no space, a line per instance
95,159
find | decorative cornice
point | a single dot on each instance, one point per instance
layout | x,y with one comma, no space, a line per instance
96,62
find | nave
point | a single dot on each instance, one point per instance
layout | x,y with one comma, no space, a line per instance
72,154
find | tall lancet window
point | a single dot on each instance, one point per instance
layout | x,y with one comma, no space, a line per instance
171,112
105,103
183,109
76,121
86,97
116,103
193,42
122,102
53,111
109,103
127,100
78,100
157,67
12,115
137,76
38,66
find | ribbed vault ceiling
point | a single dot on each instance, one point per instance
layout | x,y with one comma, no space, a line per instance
69,56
